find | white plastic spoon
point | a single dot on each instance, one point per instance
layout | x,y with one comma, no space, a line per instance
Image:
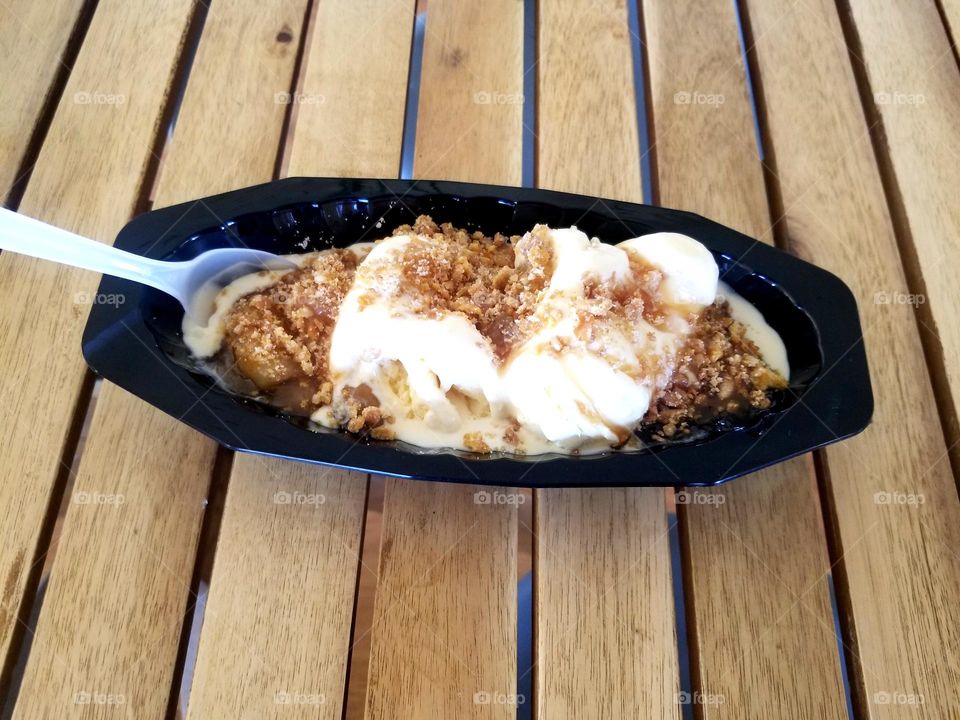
189,282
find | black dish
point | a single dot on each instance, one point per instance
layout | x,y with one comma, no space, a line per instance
137,344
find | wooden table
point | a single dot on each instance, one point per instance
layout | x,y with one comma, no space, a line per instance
146,573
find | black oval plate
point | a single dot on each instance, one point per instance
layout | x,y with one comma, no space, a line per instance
134,340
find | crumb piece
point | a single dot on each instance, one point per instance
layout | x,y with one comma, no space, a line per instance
474,442
382,432
371,417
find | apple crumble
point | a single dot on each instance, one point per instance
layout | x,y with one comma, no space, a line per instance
546,342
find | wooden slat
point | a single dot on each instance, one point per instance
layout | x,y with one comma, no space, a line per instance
33,38
139,588
276,628
605,642
893,498
743,586
586,110
350,120
605,638
916,89
300,558
472,71
90,186
444,624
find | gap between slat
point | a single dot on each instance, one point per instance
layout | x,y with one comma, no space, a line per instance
528,153
643,102
351,655
364,602
857,704
526,550
525,612
683,598
413,91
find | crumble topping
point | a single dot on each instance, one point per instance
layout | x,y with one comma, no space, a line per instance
494,282
719,372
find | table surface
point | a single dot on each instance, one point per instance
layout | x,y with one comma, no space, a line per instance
147,573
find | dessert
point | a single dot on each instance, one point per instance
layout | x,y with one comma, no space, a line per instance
546,342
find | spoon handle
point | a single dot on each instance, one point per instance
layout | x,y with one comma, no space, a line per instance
24,235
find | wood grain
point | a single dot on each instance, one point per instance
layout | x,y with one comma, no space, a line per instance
350,120
916,90
760,609
764,640
444,630
472,71
605,636
33,38
587,120
892,495
276,629
89,185
605,641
